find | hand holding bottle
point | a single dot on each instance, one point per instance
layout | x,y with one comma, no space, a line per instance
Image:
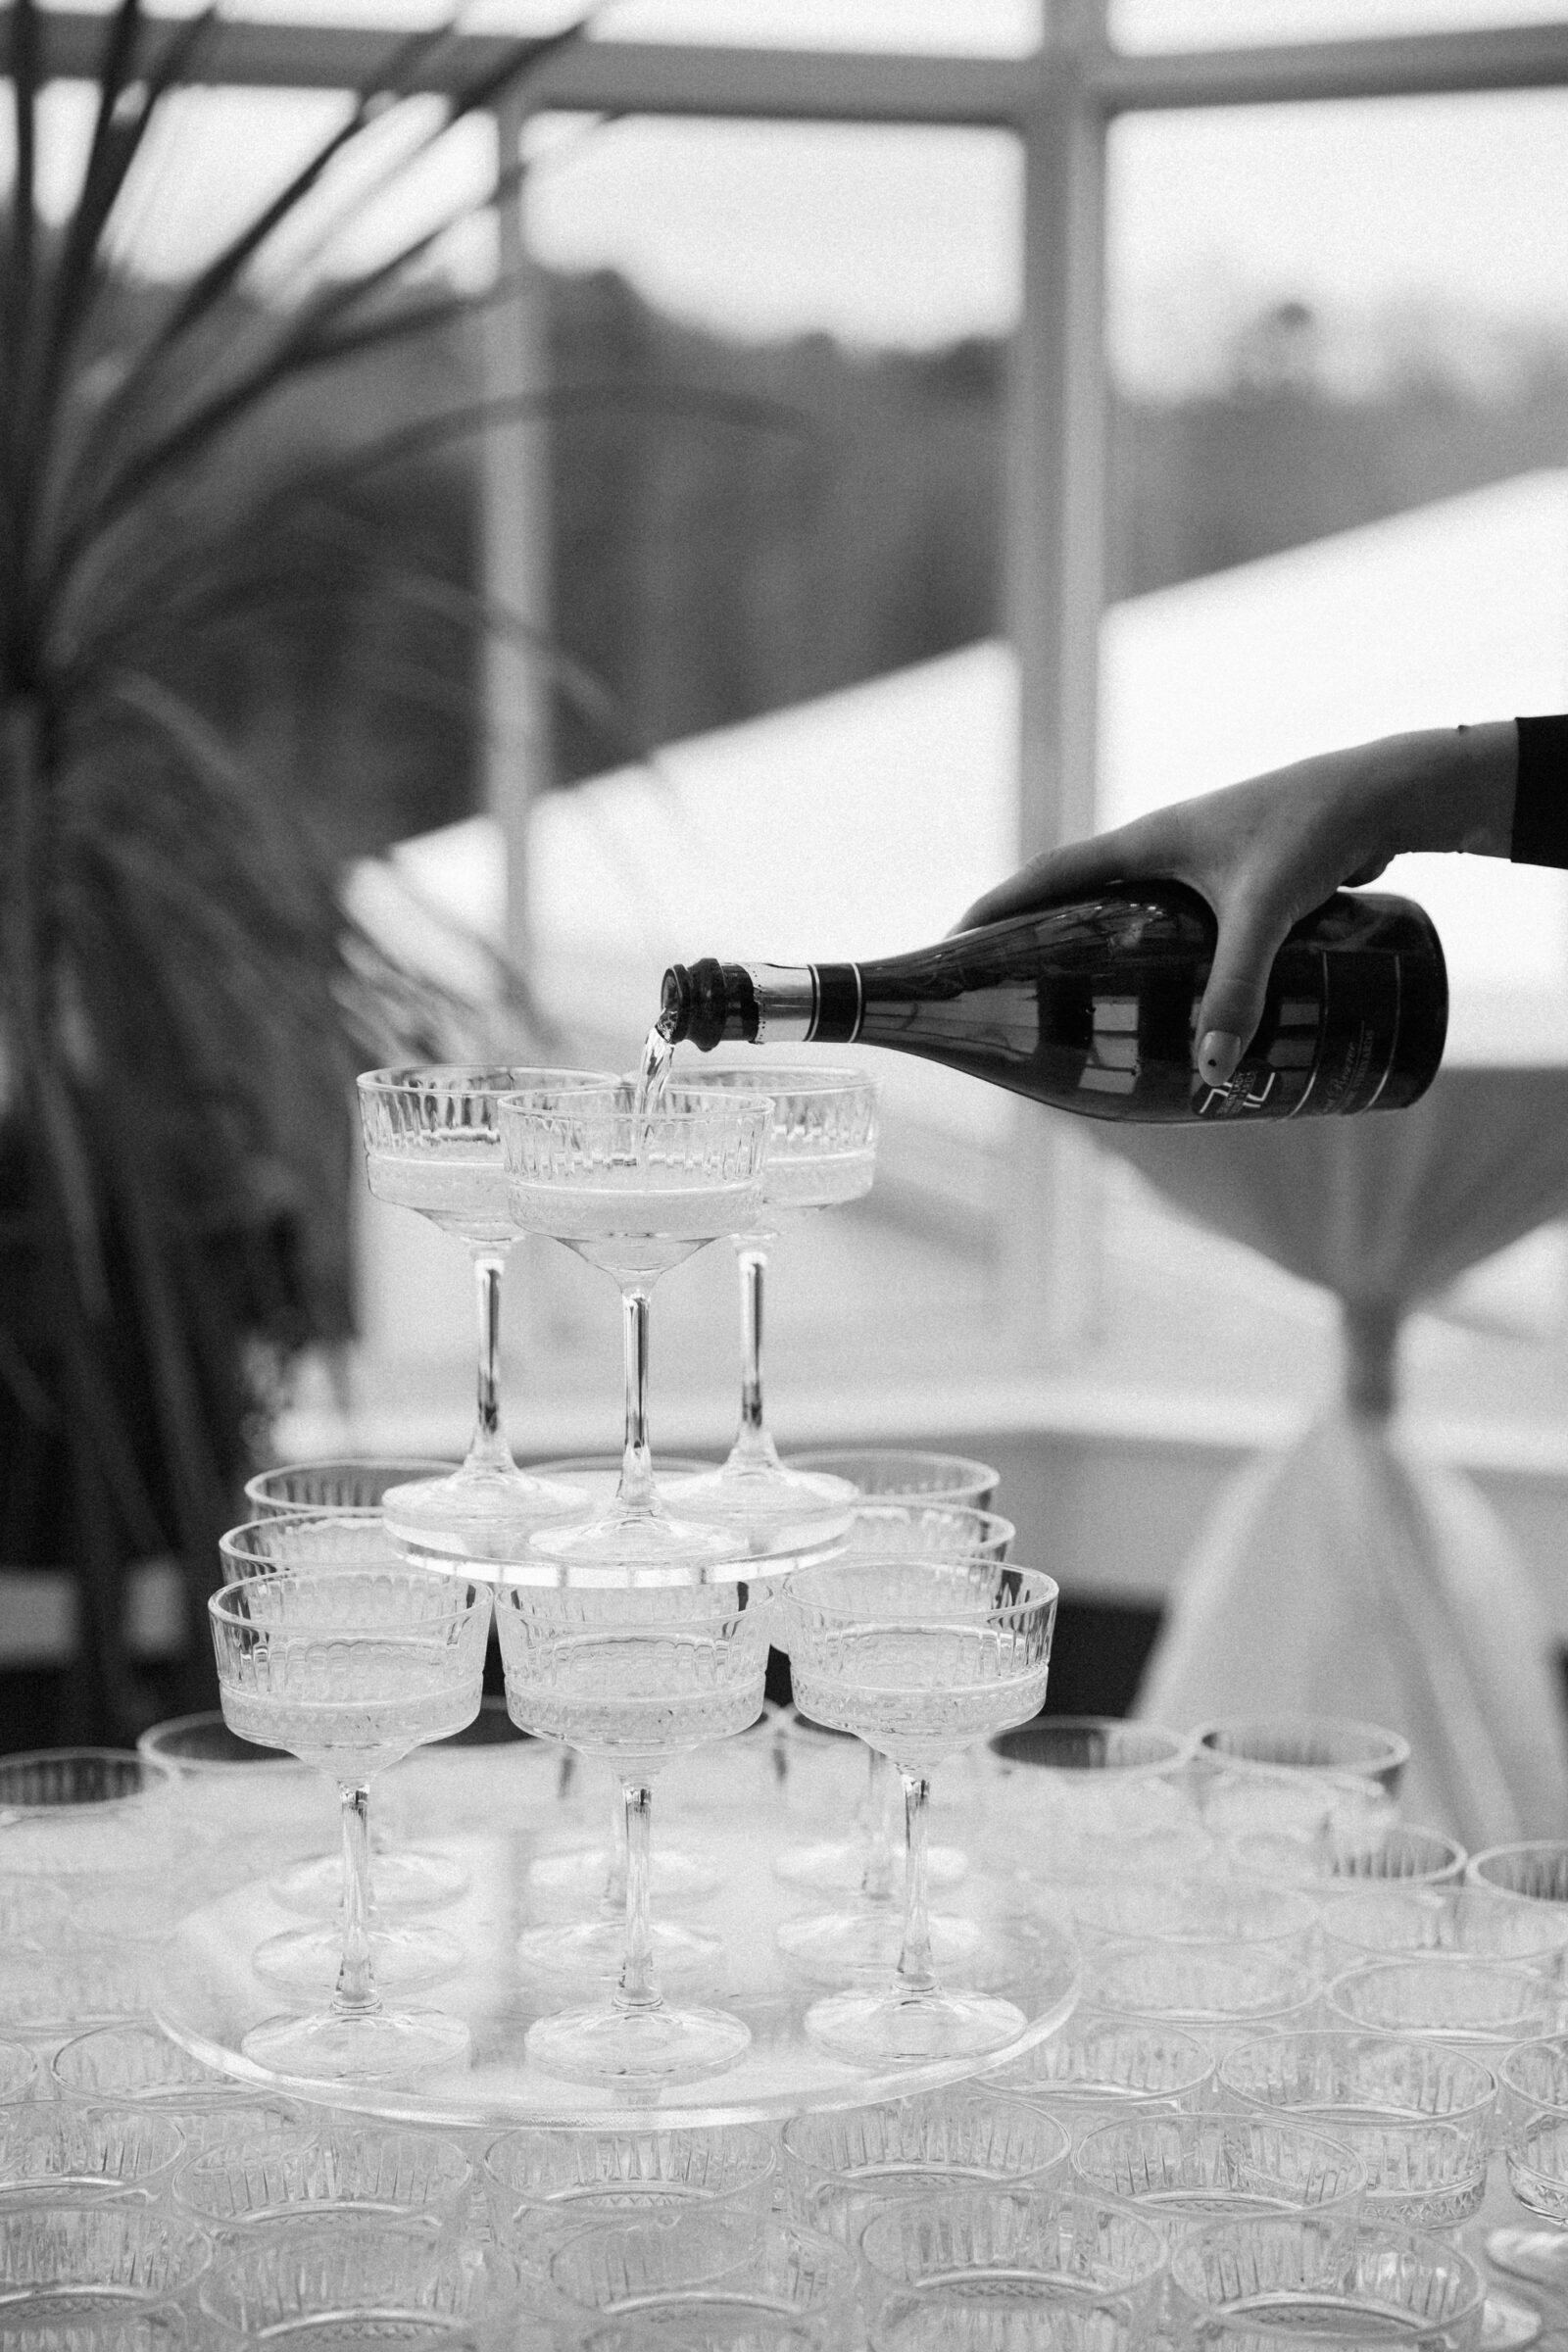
1268,851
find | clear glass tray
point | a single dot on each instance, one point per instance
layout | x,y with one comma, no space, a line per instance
496,1810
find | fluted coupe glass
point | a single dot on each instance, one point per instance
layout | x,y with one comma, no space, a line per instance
635,1192
919,1658
841,2169
637,1677
1307,1743
821,1154
305,1960
351,1669
352,1482
861,1938
432,1143
1323,2280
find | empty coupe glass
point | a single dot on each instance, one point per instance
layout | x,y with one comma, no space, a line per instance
351,1669
1537,1869
702,2281
841,2169
1307,1743
637,1677
543,2185
919,1658
432,1143
1187,2168
1319,2279
272,2166
317,2288
902,1473
1011,2250
355,1484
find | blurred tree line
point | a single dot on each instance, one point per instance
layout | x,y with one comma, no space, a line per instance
707,569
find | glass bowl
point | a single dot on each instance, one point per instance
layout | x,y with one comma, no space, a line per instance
839,2168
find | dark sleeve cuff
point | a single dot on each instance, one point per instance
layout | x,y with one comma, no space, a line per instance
1540,801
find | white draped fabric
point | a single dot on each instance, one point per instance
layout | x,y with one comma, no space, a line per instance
1349,1576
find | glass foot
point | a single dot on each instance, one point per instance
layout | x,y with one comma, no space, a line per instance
406,1958
872,2028
838,1946
382,2046
636,2046
581,1875
630,1538
478,1515
408,1880
597,1948
1507,2324
1539,2255
764,1495
837,1865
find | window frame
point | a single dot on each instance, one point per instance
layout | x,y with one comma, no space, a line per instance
1060,102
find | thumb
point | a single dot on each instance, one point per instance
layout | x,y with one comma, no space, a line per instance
1251,932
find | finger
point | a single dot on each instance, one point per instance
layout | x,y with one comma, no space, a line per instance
1252,931
1080,868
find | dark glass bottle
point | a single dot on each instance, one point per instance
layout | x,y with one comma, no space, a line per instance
1093,1007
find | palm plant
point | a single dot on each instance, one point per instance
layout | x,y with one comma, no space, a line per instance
181,1002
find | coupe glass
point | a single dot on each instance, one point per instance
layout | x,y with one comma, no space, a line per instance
319,2287
306,1960
357,1482
58,2150
433,1143
637,1677
1220,1993
1418,2116
351,1669
272,2167
1537,1870
1374,1921
1533,2109
822,1153
543,2185
1307,1743
841,2169
863,1937
1485,2006
72,2260
584,1871
1013,2250
919,1658
704,2282
1180,2168
635,1192
1306,2278
902,1473
1098,2067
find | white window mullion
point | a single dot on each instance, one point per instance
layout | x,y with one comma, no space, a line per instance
515,528
1055,570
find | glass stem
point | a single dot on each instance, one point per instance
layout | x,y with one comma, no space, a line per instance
489,1449
614,1897
753,1448
636,1463
915,1973
876,1879
356,1994
637,1989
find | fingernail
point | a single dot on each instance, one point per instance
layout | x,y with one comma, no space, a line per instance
1218,1052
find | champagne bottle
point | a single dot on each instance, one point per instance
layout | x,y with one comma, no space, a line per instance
1093,1007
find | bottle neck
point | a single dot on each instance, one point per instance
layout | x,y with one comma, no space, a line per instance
762,1003
807,1004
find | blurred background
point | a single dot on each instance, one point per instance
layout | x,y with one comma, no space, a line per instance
936,427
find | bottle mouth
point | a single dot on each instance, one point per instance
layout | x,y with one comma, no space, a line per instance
675,1004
